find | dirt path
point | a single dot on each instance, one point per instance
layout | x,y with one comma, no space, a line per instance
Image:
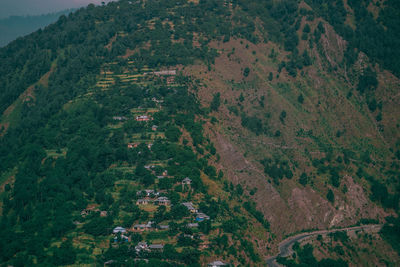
285,247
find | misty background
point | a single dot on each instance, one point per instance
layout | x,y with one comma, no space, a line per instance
21,17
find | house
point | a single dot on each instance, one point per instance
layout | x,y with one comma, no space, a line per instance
163,201
141,246
216,264
192,225
201,217
132,145
119,229
147,193
149,146
139,227
157,100
154,128
156,247
143,227
163,227
103,213
122,238
186,182
190,207
119,118
165,73
142,118
165,173
142,201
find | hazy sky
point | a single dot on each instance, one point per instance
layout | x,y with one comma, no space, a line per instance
36,7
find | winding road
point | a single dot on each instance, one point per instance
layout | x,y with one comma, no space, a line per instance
285,247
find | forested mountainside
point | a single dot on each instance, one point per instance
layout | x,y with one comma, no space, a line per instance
18,26
181,133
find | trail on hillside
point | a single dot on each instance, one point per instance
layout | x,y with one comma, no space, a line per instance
285,247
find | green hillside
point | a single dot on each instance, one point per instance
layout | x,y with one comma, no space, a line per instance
177,133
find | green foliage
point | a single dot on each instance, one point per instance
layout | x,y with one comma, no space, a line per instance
305,257
300,99
330,196
367,81
251,208
391,233
216,102
173,133
277,169
98,226
252,123
246,72
303,180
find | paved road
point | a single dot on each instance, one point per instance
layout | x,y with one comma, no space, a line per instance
285,247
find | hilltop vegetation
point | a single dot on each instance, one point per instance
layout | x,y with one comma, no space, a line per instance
282,117
18,26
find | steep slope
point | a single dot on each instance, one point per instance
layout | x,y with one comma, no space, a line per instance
279,123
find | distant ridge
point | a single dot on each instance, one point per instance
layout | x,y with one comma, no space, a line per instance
17,26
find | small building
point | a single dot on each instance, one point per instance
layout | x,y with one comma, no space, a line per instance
154,128
163,201
143,227
163,227
139,227
122,238
141,246
149,146
165,72
119,118
142,118
186,183
165,173
202,217
156,247
190,207
142,201
192,225
132,145
216,264
103,213
119,229
149,193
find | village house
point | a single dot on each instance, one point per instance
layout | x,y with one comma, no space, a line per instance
157,100
147,193
186,183
143,227
192,225
132,145
119,118
119,229
165,72
201,217
142,118
163,201
217,264
103,213
156,247
165,173
154,128
142,201
141,246
190,207
122,238
163,227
